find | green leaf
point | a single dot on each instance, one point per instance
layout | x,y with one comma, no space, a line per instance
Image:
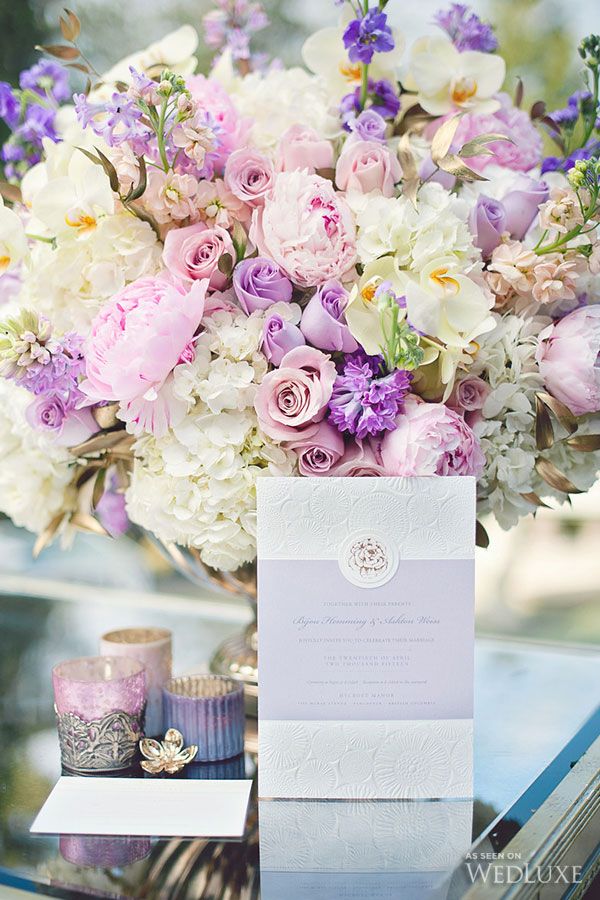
109,169
136,193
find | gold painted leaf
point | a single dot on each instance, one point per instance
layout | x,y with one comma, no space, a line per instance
106,416
98,492
586,443
532,497
59,51
477,146
481,536
442,139
454,165
70,26
562,412
99,442
410,172
544,433
87,523
554,477
46,537
11,192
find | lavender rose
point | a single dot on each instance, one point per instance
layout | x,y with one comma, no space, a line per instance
291,399
259,282
323,321
491,218
279,337
319,451
69,426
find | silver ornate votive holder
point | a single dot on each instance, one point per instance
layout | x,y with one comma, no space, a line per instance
153,648
99,703
209,711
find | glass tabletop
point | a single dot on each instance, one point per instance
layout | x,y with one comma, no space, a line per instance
534,716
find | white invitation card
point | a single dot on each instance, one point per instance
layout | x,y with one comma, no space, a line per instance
365,623
382,850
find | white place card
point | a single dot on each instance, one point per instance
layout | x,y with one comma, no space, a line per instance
366,622
158,807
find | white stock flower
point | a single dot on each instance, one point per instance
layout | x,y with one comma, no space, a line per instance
447,80
35,471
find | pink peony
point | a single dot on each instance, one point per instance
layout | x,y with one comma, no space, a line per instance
292,399
193,253
306,228
569,360
319,451
134,344
301,147
231,129
431,439
366,166
249,176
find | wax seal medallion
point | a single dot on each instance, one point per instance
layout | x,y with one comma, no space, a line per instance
368,559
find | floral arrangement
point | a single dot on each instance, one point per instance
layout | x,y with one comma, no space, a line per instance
366,266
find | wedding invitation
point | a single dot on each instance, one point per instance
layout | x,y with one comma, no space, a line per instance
366,620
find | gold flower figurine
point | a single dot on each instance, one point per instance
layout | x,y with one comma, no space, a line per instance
167,755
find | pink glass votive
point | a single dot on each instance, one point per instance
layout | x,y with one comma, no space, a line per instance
99,703
209,711
152,647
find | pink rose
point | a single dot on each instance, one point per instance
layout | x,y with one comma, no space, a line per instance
135,342
249,176
319,451
366,166
193,253
360,458
431,439
294,397
306,228
302,148
470,394
569,360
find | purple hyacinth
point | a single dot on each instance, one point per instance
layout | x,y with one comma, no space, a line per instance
58,372
364,401
367,36
48,79
559,164
381,99
465,29
9,105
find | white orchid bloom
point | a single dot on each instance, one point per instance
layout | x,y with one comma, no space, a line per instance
13,243
72,204
450,307
325,55
447,80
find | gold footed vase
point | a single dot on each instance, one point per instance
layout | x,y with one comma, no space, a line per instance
237,656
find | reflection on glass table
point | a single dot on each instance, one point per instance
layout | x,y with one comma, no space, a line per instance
530,703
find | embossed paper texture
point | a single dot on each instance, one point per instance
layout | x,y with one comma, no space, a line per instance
366,637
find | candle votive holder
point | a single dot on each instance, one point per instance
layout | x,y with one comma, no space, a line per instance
99,703
209,711
153,648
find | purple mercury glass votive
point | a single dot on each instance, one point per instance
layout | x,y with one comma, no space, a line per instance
152,647
209,711
99,703
102,852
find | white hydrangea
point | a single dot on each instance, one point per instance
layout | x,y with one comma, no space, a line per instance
279,99
415,236
69,283
34,473
197,485
506,431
